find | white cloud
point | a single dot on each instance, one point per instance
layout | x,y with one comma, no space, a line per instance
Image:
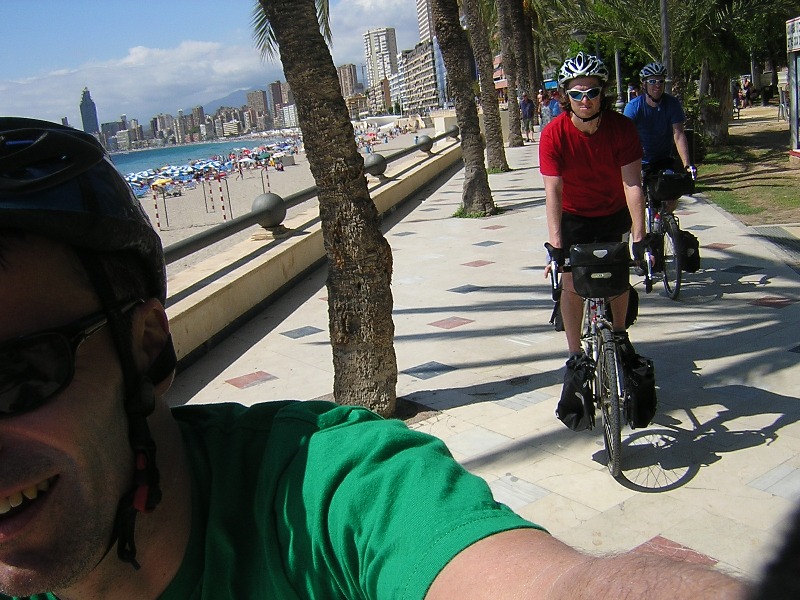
141,84
148,80
350,19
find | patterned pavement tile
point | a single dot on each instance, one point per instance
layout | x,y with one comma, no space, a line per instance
251,379
466,289
428,370
301,332
773,302
478,263
451,322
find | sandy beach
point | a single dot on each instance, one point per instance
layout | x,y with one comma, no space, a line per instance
212,203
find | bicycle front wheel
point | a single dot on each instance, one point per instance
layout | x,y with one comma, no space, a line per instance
608,397
672,256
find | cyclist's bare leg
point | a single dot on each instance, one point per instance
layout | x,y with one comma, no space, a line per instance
571,313
669,206
619,309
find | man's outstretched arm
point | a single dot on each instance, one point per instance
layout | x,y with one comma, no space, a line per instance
532,565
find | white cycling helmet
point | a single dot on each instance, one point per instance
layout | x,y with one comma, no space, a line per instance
583,65
654,69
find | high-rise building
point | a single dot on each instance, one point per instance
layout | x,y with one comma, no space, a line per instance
425,20
257,100
380,51
419,91
274,98
198,115
89,113
347,79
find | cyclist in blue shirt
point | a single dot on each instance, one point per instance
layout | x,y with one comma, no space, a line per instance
659,118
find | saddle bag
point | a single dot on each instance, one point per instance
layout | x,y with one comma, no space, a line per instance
600,270
690,252
669,185
640,383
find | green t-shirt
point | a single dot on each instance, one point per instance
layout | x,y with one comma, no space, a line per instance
311,500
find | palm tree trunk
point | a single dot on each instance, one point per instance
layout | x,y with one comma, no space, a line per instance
476,196
359,258
495,151
510,70
521,50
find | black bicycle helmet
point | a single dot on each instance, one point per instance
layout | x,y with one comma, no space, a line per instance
653,69
582,65
60,183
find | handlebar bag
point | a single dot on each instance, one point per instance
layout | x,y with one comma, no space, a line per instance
600,270
669,185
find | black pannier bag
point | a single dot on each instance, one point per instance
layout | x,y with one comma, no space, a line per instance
576,407
640,383
690,252
600,270
669,185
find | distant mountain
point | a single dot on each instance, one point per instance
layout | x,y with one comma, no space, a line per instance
235,99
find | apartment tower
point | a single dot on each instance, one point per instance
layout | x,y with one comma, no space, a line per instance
380,51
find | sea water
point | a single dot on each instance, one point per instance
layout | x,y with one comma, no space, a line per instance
155,158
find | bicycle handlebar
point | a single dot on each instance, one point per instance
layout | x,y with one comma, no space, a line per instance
555,269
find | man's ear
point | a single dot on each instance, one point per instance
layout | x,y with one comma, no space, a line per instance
151,342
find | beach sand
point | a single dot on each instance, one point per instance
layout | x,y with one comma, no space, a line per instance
205,206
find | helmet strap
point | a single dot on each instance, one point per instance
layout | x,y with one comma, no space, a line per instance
139,400
587,119
651,98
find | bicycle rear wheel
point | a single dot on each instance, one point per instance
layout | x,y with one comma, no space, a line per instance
672,256
608,397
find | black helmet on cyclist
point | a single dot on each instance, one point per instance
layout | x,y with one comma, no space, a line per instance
653,69
582,65
59,183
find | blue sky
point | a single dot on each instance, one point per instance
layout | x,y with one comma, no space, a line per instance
143,57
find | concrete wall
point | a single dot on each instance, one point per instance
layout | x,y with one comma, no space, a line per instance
210,298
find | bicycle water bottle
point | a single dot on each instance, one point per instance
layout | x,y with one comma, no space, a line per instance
657,223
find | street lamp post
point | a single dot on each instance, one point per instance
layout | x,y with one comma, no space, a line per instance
666,58
620,105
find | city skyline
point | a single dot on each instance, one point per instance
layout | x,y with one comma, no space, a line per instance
197,58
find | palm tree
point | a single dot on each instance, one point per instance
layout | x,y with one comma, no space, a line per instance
476,197
709,38
359,258
495,151
510,70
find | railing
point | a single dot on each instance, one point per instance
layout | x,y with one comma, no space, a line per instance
376,166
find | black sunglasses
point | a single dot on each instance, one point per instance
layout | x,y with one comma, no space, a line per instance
34,368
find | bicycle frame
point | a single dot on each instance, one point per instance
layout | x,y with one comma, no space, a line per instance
663,225
607,382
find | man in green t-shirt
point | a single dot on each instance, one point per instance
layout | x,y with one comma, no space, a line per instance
107,493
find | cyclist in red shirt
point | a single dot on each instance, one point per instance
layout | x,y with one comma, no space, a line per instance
590,159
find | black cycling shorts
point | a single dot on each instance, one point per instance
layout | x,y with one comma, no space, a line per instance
588,230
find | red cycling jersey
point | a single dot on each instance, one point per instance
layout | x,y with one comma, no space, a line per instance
589,165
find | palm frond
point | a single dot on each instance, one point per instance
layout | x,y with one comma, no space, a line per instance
264,36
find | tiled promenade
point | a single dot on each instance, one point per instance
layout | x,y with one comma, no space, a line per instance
713,479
